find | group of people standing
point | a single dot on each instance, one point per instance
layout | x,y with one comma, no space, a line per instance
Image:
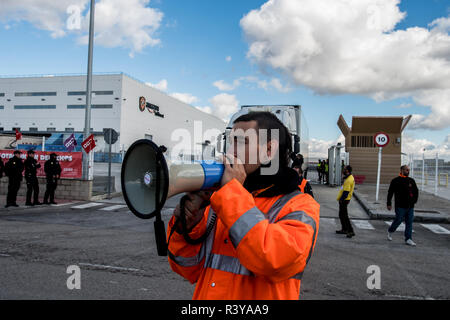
322,170
14,168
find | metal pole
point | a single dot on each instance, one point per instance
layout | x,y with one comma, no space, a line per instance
436,176
43,143
378,173
87,114
109,165
423,170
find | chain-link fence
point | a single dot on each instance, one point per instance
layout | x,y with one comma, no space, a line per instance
431,174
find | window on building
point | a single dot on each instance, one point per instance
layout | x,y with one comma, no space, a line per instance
51,129
2,129
34,129
83,93
34,94
69,129
2,94
94,106
2,107
362,142
27,107
14,128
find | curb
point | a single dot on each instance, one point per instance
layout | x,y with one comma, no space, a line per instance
105,196
389,216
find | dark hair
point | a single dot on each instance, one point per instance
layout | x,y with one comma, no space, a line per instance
349,168
267,120
17,152
403,167
30,151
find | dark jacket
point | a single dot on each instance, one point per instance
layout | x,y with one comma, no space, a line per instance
405,192
2,168
308,188
52,168
31,166
14,168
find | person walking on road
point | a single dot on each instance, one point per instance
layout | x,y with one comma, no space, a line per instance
2,168
52,170
13,170
31,166
406,194
319,170
344,197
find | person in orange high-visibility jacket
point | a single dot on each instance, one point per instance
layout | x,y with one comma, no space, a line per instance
265,229
304,185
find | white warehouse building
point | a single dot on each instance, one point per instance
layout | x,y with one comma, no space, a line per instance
52,105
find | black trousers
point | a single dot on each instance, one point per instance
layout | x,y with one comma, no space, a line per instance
50,191
13,188
32,186
343,216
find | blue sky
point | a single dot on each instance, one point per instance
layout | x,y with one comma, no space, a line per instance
195,37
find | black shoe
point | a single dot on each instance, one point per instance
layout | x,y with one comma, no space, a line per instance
53,202
15,205
350,234
29,204
8,205
341,232
37,203
45,202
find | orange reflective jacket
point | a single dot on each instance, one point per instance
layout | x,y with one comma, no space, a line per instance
303,185
258,248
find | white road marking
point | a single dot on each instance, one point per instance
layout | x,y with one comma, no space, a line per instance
435,228
363,224
329,220
400,228
63,204
87,205
100,266
111,208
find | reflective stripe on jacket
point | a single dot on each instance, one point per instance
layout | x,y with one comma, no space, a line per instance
258,248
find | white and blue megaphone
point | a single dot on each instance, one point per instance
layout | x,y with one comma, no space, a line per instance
148,180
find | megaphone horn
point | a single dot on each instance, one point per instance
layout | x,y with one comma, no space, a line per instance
148,180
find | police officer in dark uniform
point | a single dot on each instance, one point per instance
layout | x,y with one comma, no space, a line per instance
31,166
2,168
13,170
52,172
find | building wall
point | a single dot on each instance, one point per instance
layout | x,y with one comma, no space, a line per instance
60,117
364,162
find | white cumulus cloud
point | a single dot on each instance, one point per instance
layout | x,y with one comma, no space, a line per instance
352,47
129,24
224,105
185,97
162,85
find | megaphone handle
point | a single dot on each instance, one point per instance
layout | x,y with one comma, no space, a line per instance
160,235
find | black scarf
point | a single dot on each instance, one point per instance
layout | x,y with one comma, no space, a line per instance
283,182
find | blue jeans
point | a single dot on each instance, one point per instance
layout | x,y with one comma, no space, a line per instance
400,214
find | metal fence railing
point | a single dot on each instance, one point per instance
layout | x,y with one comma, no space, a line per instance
431,174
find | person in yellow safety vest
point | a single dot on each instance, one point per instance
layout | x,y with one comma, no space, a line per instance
326,172
303,184
319,170
344,197
262,228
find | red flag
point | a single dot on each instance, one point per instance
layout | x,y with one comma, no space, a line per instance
88,144
18,135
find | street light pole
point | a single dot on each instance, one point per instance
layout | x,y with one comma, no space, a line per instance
87,114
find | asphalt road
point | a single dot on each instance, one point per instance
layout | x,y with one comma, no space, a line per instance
117,257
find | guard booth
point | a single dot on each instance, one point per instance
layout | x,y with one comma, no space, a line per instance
363,153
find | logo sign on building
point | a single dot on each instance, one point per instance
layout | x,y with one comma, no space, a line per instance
70,143
88,144
71,163
381,139
152,108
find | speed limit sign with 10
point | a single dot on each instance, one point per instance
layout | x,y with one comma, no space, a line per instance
381,139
